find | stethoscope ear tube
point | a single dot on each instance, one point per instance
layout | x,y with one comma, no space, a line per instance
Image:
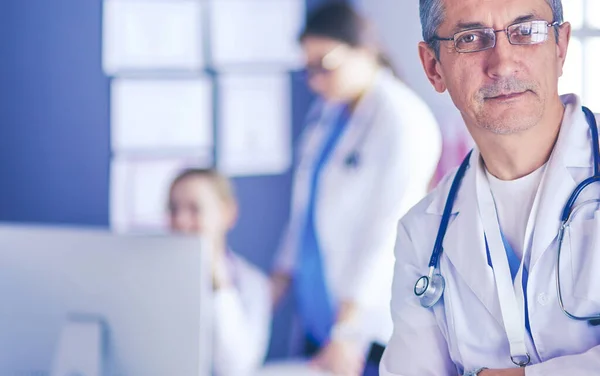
591,120
569,212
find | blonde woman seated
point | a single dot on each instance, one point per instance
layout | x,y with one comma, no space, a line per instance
201,202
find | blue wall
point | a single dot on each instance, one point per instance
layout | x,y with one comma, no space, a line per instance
5,47
54,124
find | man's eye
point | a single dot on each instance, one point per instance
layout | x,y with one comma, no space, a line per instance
526,31
468,38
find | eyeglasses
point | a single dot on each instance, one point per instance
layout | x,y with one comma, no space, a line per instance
330,62
479,39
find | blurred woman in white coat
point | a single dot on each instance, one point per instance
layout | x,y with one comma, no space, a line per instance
201,202
367,154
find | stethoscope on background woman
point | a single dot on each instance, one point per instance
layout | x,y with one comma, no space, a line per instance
430,288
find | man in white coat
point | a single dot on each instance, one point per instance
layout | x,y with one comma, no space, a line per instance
500,312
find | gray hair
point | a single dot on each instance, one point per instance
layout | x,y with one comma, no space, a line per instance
432,16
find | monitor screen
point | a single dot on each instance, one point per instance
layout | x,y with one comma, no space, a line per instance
148,295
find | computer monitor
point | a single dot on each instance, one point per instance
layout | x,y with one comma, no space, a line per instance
151,294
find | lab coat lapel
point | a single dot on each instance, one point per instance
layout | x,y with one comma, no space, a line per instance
464,243
572,149
361,122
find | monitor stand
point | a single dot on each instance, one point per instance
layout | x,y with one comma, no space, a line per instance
79,351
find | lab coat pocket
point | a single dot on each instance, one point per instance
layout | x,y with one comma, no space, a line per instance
584,250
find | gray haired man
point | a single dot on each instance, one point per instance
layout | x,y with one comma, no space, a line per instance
506,290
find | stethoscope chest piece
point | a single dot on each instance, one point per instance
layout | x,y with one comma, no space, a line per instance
352,160
421,286
430,289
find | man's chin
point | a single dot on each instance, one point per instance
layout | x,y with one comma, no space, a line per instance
509,121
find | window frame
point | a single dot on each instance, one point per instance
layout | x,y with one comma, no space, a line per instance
584,34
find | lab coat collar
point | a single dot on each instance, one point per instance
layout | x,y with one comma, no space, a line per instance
574,136
439,201
579,137
365,106
361,120
368,104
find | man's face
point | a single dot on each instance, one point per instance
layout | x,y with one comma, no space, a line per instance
504,89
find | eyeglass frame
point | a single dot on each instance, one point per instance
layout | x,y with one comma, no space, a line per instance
554,24
330,62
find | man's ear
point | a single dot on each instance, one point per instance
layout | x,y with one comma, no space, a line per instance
564,36
431,67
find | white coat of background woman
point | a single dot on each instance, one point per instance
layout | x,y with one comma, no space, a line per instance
367,154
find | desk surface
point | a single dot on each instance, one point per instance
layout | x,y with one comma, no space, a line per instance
289,368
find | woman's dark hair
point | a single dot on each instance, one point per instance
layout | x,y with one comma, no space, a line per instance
340,21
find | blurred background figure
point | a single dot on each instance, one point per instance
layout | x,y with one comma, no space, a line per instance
368,152
202,202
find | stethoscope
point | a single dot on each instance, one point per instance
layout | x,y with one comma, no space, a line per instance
352,160
430,288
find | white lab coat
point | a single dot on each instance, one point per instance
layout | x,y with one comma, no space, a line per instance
398,143
465,331
241,321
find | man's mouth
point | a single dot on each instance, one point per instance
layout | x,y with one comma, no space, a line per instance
507,96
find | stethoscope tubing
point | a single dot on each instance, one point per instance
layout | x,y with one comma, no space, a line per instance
426,280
